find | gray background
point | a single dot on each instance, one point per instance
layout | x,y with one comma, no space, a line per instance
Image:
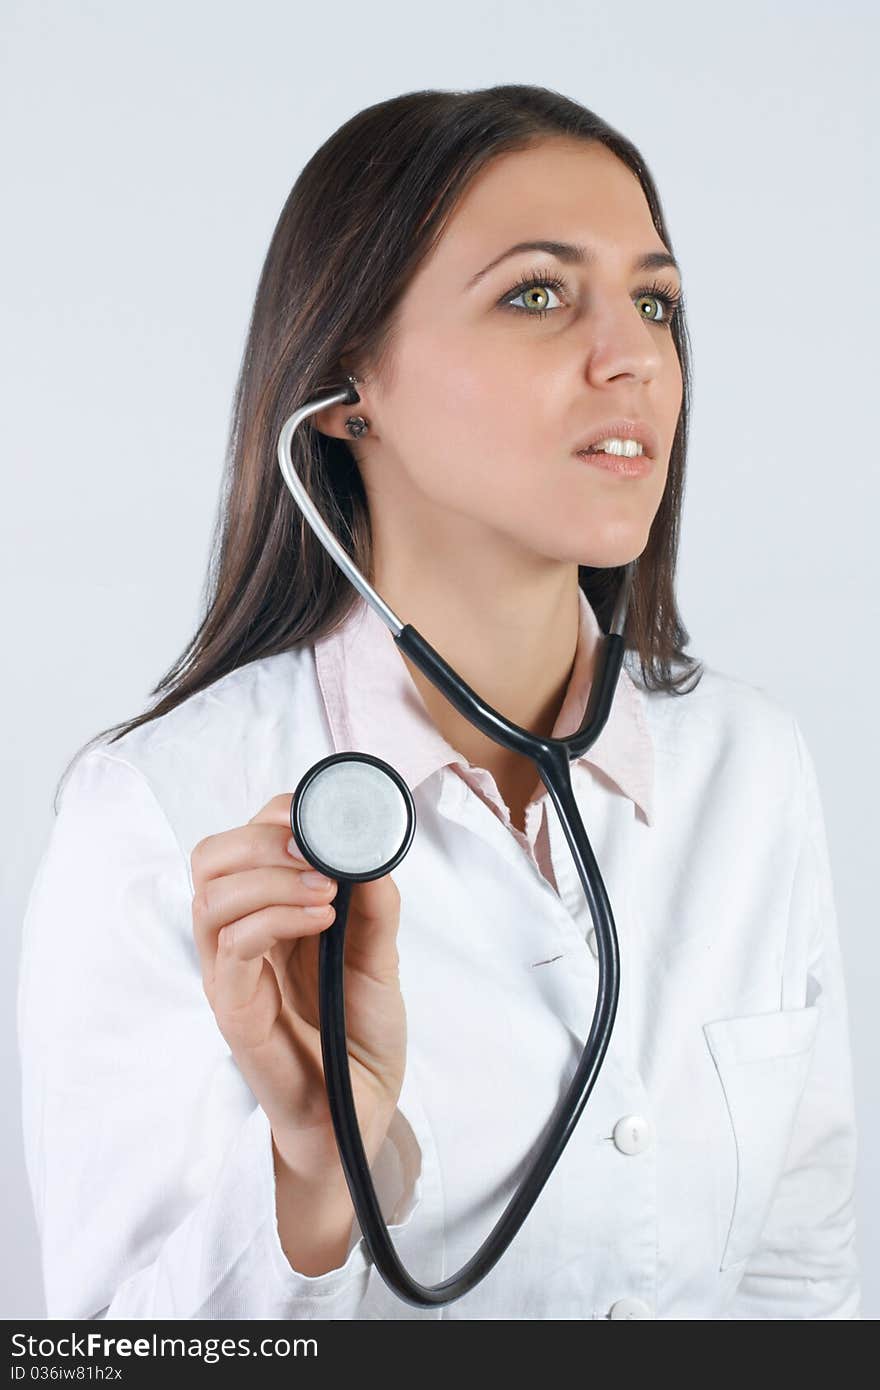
147,151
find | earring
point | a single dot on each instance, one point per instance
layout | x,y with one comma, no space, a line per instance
356,424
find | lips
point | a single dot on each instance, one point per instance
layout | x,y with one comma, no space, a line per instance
626,428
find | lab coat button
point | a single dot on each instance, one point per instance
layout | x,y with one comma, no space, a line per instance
591,942
631,1308
633,1133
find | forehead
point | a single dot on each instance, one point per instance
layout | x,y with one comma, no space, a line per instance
558,189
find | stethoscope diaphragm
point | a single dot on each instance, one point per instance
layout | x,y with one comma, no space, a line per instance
353,816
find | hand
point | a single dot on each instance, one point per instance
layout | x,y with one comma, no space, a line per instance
258,945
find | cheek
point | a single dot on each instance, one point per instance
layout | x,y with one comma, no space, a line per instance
457,422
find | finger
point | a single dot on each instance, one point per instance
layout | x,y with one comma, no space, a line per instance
221,901
214,852
232,896
277,812
241,946
244,847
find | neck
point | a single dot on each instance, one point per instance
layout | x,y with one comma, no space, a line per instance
512,638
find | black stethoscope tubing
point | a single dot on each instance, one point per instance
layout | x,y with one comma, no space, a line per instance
551,757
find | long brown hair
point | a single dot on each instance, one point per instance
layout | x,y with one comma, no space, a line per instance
366,209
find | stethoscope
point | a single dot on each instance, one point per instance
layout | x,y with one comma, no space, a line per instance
354,818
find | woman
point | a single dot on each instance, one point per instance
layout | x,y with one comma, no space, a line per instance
495,269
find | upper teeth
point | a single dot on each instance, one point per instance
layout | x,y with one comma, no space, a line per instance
630,448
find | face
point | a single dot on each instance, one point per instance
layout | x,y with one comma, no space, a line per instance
493,384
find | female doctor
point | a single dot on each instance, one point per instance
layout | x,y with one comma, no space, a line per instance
495,269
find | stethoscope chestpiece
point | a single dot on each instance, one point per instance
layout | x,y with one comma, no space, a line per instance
353,817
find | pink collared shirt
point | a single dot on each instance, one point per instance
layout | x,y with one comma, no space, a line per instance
373,705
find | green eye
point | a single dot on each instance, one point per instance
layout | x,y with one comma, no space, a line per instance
533,281
668,301
667,296
540,287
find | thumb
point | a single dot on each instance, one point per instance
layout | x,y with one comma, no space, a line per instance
371,930
377,901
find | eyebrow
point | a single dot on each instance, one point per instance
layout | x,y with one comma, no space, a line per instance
573,254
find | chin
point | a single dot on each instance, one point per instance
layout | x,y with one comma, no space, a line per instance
606,551
611,557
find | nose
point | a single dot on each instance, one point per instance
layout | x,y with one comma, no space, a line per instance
617,341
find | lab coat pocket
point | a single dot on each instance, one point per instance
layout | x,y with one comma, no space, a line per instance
762,1061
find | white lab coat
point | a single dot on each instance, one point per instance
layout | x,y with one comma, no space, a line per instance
712,1172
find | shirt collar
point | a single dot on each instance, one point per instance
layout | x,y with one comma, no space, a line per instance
374,706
